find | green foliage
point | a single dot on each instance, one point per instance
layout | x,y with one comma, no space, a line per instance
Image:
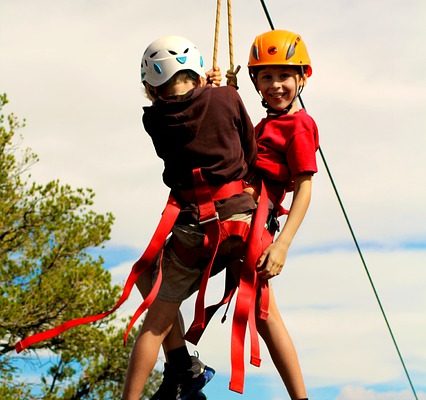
48,276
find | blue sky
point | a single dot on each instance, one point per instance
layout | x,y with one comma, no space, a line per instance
71,68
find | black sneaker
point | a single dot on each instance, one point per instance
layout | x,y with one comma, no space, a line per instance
185,385
199,396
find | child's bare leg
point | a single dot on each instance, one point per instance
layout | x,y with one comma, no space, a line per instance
158,322
282,350
175,338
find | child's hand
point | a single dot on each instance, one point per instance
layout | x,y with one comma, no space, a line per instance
272,261
231,77
214,76
251,190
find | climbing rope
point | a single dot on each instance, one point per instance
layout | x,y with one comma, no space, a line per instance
216,33
230,41
230,37
354,238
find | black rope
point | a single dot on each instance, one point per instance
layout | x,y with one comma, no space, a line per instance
354,238
265,9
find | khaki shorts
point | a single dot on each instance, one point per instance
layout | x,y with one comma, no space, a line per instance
182,274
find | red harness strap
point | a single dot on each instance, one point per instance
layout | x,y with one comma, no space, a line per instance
228,228
167,221
215,232
208,216
250,289
210,219
246,300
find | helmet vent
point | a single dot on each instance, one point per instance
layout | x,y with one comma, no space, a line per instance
255,52
153,54
173,53
292,49
157,69
290,52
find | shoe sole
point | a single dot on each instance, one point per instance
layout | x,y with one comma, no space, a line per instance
196,390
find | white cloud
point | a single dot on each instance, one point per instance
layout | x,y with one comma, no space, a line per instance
72,69
358,393
333,317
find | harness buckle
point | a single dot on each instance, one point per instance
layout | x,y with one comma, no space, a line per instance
206,221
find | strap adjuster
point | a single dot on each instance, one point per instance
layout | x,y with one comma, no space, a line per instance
206,221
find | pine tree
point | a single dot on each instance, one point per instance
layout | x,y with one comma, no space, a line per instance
48,275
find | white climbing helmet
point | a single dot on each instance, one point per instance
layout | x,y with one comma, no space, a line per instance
168,55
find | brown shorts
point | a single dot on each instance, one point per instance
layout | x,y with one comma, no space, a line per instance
182,273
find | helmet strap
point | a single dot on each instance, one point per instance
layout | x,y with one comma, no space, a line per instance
272,112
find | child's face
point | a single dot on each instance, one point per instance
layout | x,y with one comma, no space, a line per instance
278,85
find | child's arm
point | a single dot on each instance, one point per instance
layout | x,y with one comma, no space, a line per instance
273,258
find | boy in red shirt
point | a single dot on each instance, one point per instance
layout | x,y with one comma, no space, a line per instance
287,139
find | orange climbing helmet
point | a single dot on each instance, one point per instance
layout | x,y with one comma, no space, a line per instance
279,47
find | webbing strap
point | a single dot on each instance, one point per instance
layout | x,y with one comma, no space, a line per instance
148,299
147,259
264,300
195,331
263,286
254,337
246,294
210,219
228,228
261,296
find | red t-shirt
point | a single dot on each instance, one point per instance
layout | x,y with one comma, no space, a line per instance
286,147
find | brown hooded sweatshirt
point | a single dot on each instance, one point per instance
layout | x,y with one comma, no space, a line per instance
206,128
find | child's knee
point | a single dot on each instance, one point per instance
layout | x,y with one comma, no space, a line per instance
264,326
160,318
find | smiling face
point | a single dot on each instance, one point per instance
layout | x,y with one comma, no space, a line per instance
279,85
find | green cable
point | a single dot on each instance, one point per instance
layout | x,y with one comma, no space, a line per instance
354,239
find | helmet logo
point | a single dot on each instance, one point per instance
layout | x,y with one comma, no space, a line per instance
181,60
272,50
